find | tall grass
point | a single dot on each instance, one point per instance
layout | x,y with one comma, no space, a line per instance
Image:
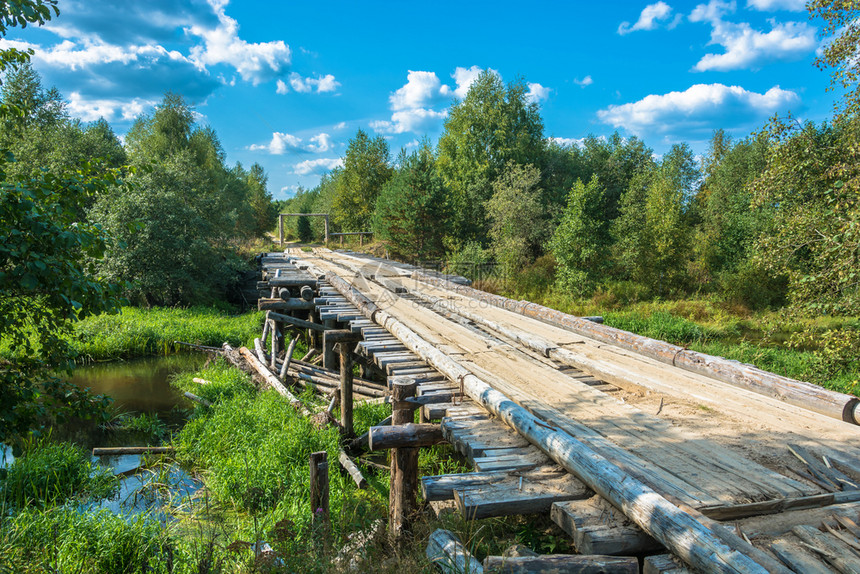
50,473
139,332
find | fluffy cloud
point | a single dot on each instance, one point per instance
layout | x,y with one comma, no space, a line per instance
586,81
464,77
537,93
772,5
696,111
412,105
119,56
746,47
418,120
255,62
281,87
317,166
649,19
90,110
567,142
320,84
282,143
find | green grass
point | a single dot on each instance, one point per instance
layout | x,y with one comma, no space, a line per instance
49,473
140,332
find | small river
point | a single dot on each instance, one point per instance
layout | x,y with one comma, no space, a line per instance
136,386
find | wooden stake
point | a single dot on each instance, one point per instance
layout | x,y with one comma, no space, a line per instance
404,462
319,487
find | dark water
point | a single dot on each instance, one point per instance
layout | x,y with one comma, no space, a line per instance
139,385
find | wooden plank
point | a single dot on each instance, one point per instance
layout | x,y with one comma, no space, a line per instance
518,495
597,528
798,558
834,551
404,436
735,511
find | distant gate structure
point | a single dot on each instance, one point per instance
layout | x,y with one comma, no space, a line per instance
281,217
361,234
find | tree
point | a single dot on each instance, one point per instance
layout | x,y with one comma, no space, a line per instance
652,233
412,211
842,23
493,126
517,225
812,186
260,200
178,219
365,171
45,281
580,243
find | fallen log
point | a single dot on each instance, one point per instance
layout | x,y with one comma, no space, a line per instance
695,543
404,436
798,393
446,551
269,304
196,399
353,470
273,381
119,450
562,564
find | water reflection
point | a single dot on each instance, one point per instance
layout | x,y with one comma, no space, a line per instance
138,385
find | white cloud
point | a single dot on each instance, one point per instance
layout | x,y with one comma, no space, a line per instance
698,110
586,81
745,47
320,84
421,90
282,143
90,110
317,166
340,126
418,120
255,62
649,18
281,87
537,93
567,142
713,11
320,143
772,5
464,77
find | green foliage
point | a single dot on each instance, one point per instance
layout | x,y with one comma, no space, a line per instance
812,185
183,209
136,332
260,200
652,233
580,242
493,126
517,228
304,230
472,261
842,24
48,474
64,539
412,210
365,171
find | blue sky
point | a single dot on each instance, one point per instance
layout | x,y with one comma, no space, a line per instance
286,84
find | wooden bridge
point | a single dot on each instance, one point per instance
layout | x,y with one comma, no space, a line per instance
650,456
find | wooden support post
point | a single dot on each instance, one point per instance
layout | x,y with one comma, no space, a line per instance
274,347
328,346
346,390
281,228
404,462
325,223
319,487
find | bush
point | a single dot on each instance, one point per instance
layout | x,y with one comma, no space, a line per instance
751,285
53,473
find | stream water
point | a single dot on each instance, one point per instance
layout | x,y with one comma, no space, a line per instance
136,386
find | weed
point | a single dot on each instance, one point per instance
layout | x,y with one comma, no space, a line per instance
51,473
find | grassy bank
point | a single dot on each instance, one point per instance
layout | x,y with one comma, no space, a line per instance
251,451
